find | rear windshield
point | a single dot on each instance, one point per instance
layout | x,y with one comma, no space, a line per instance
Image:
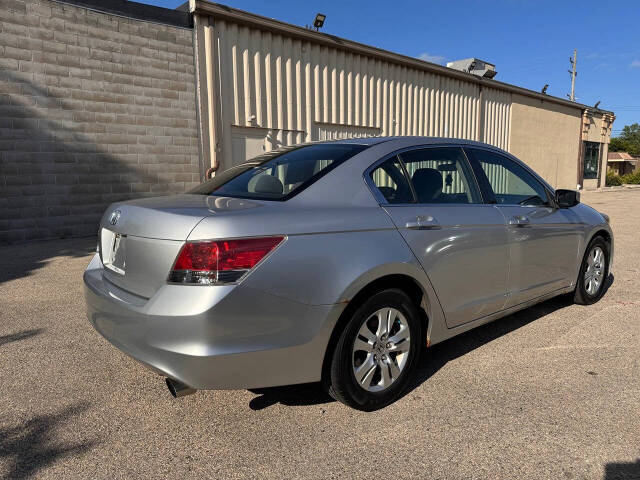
279,175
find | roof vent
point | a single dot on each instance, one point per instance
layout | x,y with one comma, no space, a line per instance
475,66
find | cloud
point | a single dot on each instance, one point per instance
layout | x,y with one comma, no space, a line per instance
427,57
635,64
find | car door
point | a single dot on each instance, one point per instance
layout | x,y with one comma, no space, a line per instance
543,238
433,198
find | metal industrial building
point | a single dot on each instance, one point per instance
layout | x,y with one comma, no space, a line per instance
264,83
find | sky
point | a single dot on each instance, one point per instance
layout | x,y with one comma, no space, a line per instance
530,42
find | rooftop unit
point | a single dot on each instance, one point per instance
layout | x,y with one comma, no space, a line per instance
475,66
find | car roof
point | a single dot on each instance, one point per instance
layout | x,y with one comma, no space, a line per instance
411,141
370,141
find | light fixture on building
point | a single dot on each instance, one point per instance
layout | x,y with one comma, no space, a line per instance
319,21
544,89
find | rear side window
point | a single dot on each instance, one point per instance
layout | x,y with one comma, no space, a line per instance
279,175
511,184
391,182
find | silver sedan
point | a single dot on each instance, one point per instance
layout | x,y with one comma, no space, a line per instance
337,262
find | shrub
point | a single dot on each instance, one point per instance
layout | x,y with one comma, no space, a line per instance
613,179
631,178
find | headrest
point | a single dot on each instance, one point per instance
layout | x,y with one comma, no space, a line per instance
428,184
300,170
268,184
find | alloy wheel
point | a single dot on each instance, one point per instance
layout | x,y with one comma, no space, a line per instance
594,272
381,349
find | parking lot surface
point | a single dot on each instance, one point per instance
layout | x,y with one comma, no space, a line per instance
552,392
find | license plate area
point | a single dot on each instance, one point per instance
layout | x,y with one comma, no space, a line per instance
113,250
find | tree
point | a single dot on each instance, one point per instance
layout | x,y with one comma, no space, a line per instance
628,141
617,145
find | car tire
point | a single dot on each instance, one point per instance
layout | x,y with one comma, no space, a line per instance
592,269
392,349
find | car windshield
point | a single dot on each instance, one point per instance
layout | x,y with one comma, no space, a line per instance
280,174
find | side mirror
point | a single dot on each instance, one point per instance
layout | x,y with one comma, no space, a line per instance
567,198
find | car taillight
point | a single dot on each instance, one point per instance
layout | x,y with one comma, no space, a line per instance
220,261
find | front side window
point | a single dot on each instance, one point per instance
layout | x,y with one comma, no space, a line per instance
279,175
441,175
511,184
591,159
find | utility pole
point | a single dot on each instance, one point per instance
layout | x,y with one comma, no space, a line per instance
573,72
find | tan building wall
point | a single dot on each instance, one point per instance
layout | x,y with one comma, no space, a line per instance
546,137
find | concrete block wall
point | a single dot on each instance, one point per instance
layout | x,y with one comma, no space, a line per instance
94,108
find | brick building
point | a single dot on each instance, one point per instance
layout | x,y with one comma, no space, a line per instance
94,107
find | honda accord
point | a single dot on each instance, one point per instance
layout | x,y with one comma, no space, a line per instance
337,262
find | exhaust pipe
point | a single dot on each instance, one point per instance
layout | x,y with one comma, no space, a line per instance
179,389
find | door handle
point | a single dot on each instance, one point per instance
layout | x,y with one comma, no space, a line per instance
519,221
423,222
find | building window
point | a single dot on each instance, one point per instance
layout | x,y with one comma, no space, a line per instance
591,159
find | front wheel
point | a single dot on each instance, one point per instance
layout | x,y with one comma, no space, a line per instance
593,273
377,352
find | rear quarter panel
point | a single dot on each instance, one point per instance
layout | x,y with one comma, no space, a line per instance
331,268
328,268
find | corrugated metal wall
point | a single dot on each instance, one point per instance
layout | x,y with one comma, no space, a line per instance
497,117
299,91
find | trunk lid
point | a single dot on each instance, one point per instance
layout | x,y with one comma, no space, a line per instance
140,239
165,218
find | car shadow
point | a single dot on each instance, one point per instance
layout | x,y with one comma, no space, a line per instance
437,356
291,395
30,447
622,471
23,335
433,359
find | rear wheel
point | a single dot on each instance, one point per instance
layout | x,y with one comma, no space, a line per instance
377,352
593,272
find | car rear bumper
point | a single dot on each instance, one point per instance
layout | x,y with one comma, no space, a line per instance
220,337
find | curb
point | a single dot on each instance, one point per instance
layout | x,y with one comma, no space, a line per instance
615,188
